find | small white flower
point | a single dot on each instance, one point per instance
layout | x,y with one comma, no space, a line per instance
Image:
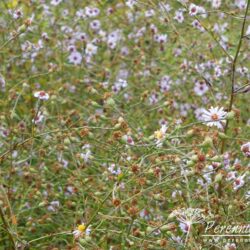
216,3
245,148
128,139
230,246
193,9
53,206
81,231
239,182
116,170
185,227
91,49
149,13
196,24
87,154
241,4
199,113
214,117
75,58
16,14
39,118
200,88
42,95
160,135
131,3
144,214
55,2
95,25
179,16
231,175
92,12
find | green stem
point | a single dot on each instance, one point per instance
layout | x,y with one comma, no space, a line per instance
233,74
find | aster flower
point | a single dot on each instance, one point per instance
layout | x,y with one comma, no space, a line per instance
39,118
216,3
160,134
116,170
87,154
214,117
131,3
200,88
179,16
128,139
193,9
75,58
42,95
91,49
231,175
239,182
81,231
16,14
196,24
245,148
185,227
230,246
188,217
95,25
55,2
92,12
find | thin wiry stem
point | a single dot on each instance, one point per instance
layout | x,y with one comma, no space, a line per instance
233,69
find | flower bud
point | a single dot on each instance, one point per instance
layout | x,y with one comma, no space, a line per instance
22,28
110,102
190,163
218,177
67,141
95,104
230,115
222,135
194,158
207,142
190,132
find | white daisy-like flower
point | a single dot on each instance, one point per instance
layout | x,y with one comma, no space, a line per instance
160,135
91,49
214,117
42,95
81,231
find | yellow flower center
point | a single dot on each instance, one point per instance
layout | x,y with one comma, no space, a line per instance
215,117
158,134
81,228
